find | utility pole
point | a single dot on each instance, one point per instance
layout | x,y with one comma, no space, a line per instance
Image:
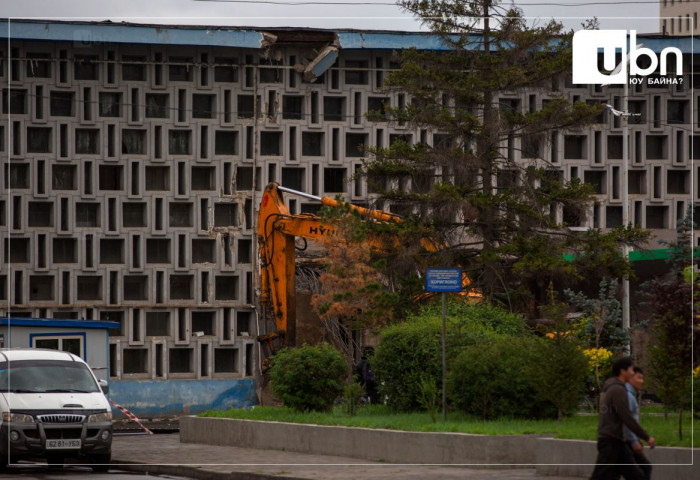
624,116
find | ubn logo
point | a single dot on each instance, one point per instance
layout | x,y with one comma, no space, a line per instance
587,44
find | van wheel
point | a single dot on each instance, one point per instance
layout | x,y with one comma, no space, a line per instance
101,462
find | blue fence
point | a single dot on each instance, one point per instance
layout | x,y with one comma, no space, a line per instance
164,398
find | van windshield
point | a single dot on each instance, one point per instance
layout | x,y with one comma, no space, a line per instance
46,376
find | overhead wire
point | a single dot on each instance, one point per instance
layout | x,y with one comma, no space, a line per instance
296,3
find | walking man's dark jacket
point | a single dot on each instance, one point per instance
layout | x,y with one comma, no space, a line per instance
615,411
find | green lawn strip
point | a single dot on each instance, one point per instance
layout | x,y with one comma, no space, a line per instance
577,427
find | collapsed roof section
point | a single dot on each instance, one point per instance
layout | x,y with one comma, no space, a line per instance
242,37
319,49
323,45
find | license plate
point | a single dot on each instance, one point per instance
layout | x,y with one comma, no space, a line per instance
55,444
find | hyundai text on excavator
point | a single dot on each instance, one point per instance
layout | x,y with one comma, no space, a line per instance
277,231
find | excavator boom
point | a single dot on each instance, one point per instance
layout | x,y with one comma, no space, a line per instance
277,230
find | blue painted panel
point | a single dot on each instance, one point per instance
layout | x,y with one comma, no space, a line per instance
55,323
325,63
91,34
162,398
87,34
658,43
427,41
390,41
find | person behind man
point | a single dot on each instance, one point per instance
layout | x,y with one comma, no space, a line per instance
614,455
363,371
634,386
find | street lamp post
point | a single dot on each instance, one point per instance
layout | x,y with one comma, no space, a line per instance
624,115
625,207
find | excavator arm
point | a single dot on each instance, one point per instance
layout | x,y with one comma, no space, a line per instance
277,230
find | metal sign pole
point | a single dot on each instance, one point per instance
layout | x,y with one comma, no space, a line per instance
444,359
443,280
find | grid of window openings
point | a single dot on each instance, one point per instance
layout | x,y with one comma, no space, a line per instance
130,172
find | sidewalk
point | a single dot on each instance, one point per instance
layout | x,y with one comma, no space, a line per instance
164,454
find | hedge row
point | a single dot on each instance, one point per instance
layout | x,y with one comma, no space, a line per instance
496,367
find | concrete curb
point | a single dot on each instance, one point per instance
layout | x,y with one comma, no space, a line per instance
197,473
549,456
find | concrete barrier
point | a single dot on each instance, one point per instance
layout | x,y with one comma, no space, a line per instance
370,444
551,457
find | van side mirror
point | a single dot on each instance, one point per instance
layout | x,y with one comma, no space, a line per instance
104,386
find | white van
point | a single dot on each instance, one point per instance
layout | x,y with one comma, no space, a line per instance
52,408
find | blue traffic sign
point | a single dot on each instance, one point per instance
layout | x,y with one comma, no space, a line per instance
443,279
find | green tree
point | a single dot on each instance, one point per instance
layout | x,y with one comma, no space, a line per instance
600,327
504,219
670,299
559,366
601,324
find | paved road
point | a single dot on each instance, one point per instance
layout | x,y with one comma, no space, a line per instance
29,472
164,454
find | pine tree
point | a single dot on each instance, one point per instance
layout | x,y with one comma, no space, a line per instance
502,219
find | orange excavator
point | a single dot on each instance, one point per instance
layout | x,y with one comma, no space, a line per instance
277,231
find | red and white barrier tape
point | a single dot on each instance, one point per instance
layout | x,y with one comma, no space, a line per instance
131,416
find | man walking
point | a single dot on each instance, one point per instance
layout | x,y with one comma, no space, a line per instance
634,386
614,455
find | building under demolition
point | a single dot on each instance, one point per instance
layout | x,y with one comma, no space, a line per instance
134,157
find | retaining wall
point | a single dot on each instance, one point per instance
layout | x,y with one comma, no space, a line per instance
370,444
574,458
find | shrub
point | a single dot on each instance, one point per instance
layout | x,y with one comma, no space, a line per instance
430,397
600,362
558,369
308,378
410,352
464,316
352,394
406,353
495,380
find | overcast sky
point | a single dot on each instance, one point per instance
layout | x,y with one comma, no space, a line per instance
361,14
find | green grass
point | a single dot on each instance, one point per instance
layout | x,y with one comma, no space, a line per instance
378,416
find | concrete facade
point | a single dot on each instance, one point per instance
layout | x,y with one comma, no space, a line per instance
678,17
133,165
